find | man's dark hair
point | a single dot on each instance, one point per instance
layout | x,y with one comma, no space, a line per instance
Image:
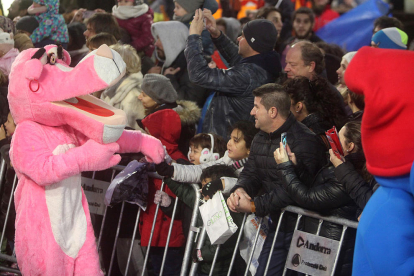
358,99
104,23
217,171
274,95
304,10
311,52
248,130
263,13
388,22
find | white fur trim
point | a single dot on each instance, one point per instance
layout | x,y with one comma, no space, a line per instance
126,12
67,216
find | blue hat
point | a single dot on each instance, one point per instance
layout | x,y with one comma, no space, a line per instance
390,38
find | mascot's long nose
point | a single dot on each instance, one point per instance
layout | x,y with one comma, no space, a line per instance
104,51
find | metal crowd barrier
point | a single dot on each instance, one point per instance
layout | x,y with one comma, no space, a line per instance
5,257
196,235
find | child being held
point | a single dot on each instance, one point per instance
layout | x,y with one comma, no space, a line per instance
136,18
52,27
211,180
7,51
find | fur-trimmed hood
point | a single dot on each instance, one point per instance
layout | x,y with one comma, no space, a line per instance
188,111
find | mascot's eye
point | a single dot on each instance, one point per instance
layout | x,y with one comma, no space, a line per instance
51,59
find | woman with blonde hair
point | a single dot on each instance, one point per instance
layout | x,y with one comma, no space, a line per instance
124,94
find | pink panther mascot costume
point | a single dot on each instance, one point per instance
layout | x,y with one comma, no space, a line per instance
61,132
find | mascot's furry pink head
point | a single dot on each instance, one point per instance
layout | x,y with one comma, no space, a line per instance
43,88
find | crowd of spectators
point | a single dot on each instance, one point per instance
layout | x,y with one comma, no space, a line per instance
195,81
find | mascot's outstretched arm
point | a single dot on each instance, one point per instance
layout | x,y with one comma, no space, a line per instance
135,141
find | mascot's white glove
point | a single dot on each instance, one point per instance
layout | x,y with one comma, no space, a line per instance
163,198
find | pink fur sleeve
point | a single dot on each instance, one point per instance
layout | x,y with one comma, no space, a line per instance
33,156
135,141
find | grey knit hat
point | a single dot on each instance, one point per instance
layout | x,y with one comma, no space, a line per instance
159,88
190,5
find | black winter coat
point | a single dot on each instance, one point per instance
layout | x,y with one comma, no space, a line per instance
355,185
233,100
182,84
327,196
260,170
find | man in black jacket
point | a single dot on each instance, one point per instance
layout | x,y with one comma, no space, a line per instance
252,64
272,116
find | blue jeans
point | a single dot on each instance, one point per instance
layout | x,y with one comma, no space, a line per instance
279,254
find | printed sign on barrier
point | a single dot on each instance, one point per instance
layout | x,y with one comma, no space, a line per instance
95,193
311,254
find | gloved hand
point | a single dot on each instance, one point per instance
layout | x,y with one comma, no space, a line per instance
93,156
164,169
162,197
212,187
167,157
152,148
196,255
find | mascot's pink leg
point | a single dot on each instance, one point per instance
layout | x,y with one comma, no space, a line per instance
36,249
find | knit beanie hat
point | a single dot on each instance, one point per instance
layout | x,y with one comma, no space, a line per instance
7,25
159,88
387,131
349,56
261,35
27,24
390,38
190,6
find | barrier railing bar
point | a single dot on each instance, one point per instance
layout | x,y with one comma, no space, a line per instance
253,247
8,209
2,171
339,251
104,215
116,238
12,270
319,227
337,220
296,228
152,234
191,233
8,258
274,241
200,243
237,245
132,241
169,236
214,260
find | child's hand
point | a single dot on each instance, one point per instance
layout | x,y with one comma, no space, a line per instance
163,198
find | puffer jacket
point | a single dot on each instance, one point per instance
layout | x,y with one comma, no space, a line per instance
260,171
182,84
358,188
186,193
233,99
139,28
327,196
